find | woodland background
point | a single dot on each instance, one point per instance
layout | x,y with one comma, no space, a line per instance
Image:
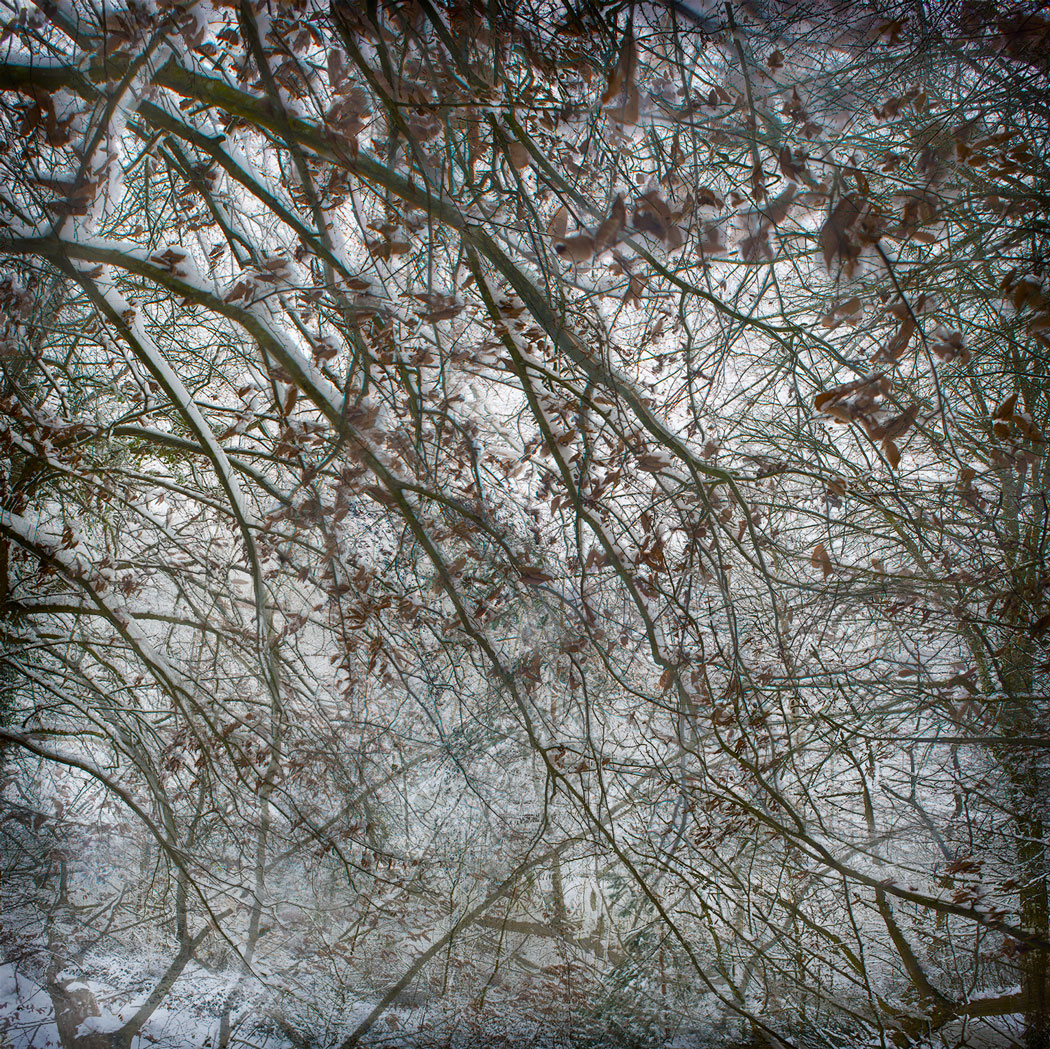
524,523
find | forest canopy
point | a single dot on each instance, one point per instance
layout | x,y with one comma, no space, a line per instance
524,523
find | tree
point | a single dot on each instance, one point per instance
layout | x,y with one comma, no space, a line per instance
544,503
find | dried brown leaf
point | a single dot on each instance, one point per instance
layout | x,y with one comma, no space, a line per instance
900,424
609,231
834,239
559,223
1006,408
894,349
892,453
822,560
622,75
872,385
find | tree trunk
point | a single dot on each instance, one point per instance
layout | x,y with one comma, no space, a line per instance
1020,721
1035,916
73,1006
